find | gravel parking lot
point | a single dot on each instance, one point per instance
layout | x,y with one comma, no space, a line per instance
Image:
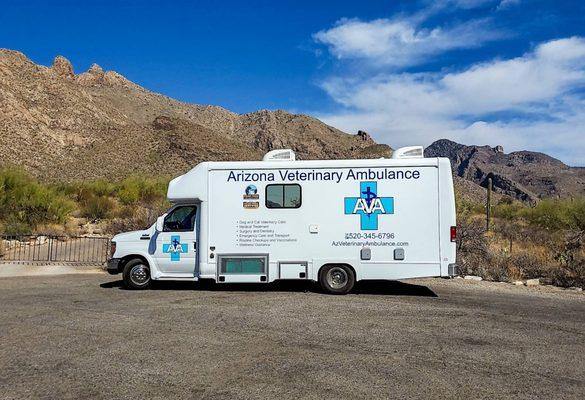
83,336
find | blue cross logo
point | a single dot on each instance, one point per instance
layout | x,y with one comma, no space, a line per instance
369,205
175,248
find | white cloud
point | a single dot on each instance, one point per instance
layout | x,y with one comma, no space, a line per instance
401,42
504,4
470,3
533,102
463,4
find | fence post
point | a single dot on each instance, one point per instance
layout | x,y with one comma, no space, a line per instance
50,248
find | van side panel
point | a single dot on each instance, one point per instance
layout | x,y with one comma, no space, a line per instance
392,212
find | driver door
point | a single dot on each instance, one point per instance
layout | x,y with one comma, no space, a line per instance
176,245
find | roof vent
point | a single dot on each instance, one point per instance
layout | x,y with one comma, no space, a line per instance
408,152
280,155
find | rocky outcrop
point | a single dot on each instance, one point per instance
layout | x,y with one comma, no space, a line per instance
364,136
112,78
94,76
62,67
524,175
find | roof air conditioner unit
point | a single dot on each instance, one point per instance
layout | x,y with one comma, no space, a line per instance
280,155
408,152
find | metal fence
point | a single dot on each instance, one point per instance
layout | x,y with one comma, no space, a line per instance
35,249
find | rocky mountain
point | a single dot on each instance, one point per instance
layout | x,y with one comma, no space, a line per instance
524,175
59,125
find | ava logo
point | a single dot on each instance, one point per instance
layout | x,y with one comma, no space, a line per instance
175,248
251,193
251,189
369,205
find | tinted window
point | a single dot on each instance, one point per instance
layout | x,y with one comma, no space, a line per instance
292,196
274,198
181,219
283,196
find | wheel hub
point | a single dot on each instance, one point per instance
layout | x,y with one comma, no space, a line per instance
337,277
139,274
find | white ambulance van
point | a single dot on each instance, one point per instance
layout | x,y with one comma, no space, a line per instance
335,222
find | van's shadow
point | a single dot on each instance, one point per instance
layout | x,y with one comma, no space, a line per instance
390,288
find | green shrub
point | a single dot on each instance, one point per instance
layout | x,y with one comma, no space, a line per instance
557,214
135,218
129,191
80,191
97,207
25,204
508,210
137,189
12,225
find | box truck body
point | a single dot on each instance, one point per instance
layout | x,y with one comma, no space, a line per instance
328,221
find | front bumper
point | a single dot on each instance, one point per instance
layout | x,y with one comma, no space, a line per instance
113,267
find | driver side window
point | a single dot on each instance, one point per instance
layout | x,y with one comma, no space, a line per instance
181,219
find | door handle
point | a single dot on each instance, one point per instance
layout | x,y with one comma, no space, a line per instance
194,246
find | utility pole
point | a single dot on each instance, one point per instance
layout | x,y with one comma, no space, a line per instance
488,206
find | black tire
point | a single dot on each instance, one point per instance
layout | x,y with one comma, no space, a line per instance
337,279
137,274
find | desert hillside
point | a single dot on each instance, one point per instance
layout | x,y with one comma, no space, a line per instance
60,125
523,175
63,126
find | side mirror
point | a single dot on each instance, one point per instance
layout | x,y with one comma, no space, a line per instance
160,221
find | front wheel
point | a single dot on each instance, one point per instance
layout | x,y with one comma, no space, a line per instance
137,274
337,279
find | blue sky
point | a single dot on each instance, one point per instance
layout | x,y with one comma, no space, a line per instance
508,72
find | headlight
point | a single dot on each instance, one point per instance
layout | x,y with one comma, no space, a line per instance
112,249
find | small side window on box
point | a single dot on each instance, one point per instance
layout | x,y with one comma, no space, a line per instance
283,196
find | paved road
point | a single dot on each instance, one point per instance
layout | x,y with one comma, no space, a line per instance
15,269
82,336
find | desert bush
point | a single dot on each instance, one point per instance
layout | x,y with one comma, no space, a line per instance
137,189
496,268
544,241
97,207
130,191
470,231
24,203
82,190
102,199
12,225
527,266
467,207
573,275
99,187
557,214
472,246
508,210
135,218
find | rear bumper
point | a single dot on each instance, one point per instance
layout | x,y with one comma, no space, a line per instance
113,267
453,270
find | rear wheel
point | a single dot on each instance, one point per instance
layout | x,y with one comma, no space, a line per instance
337,279
137,274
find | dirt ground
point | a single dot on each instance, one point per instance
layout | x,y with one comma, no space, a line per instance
83,336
